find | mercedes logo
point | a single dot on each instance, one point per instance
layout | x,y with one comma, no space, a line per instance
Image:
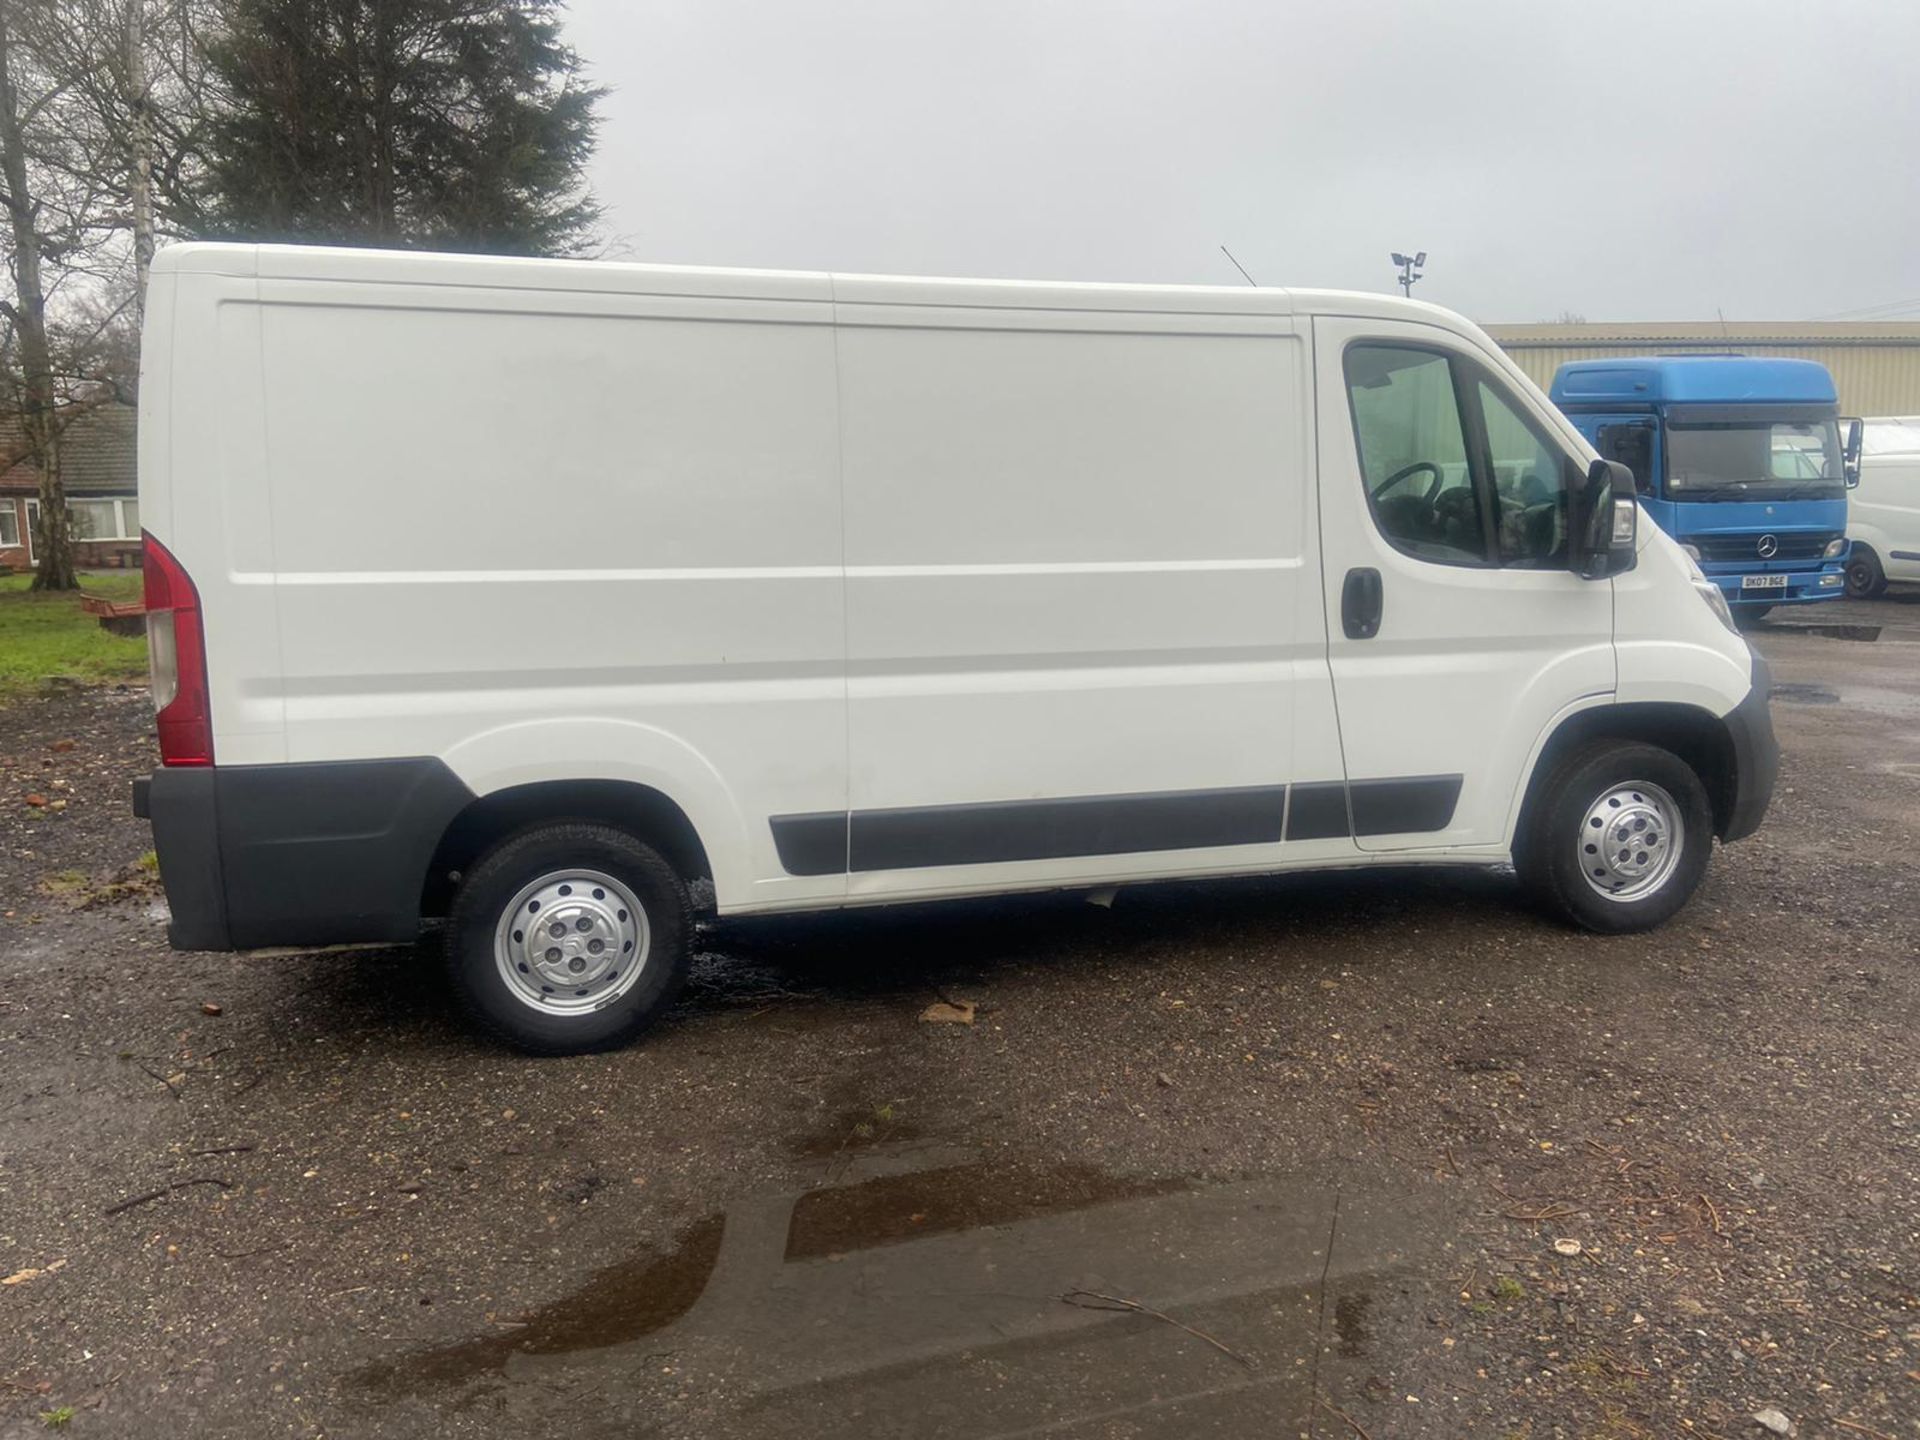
1769,546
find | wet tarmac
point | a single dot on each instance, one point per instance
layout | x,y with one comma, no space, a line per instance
1288,1156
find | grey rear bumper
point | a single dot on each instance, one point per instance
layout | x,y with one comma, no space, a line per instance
313,854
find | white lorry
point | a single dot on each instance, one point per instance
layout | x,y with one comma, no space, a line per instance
1883,511
522,593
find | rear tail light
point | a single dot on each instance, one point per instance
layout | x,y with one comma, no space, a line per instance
177,655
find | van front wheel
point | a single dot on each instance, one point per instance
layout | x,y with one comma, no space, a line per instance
1619,837
568,938
1866,580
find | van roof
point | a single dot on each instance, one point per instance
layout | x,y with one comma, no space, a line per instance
416,267
1714,379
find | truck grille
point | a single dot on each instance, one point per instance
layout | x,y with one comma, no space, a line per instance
1747,547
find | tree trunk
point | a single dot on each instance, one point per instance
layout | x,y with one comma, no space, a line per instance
140,155
39,419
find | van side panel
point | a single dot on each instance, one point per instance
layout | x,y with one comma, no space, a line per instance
212,508
1884,512
1082,598
551,536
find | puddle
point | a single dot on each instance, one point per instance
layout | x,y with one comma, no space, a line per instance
631,1300
893,1208
1900,704
1834,632
622,1303
1804,695
938,1302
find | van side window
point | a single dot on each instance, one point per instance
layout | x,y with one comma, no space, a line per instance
1529,485
1413,452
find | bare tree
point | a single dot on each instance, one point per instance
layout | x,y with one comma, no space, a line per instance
101,117
27,311
132,117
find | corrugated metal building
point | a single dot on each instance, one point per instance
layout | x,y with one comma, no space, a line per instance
1876,366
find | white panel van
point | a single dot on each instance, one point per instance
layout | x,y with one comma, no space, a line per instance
1883,510
521,594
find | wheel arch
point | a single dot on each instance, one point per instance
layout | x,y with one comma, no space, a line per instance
1867,535
1698,737
1861,552
639,777
641,810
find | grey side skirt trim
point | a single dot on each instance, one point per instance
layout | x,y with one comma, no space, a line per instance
1052,829
998,832
812,844
1415,805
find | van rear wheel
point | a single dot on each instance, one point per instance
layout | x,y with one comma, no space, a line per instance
568,938
1619,837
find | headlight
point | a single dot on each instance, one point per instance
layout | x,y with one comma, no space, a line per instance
1692,551
1716,602
1835,547
1710,592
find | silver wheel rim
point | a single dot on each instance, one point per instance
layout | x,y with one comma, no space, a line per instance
1630,841
571,943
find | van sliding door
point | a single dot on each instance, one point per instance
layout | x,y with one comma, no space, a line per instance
1083,624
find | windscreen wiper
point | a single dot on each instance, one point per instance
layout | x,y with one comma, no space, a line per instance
1708,492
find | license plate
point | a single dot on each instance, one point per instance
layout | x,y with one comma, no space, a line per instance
1763,582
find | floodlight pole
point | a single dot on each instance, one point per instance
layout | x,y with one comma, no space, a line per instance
1409,269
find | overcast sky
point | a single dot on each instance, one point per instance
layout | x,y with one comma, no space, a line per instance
1620,159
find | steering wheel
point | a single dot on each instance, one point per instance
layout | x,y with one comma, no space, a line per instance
1397,476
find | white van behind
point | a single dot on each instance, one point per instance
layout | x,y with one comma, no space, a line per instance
523,593
1883,510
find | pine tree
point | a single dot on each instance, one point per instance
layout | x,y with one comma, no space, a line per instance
438,124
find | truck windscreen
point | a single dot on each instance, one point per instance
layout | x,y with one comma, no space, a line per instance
1751,460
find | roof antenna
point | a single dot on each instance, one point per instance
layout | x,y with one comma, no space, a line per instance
1238,266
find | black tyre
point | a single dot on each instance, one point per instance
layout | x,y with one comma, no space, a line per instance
1617,838
1747,616
1866,580
568,937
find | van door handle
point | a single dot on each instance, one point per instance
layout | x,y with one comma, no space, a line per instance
1361,603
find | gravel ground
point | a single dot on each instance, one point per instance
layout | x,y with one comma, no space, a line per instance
1303,1156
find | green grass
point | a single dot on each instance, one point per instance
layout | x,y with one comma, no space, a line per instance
44,635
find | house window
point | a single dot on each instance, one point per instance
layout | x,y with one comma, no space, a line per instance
9,525
104,519
92,519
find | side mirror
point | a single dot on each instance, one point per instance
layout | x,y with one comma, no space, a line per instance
1850,462
1603,522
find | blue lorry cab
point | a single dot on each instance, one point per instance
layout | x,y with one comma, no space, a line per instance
1738,457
